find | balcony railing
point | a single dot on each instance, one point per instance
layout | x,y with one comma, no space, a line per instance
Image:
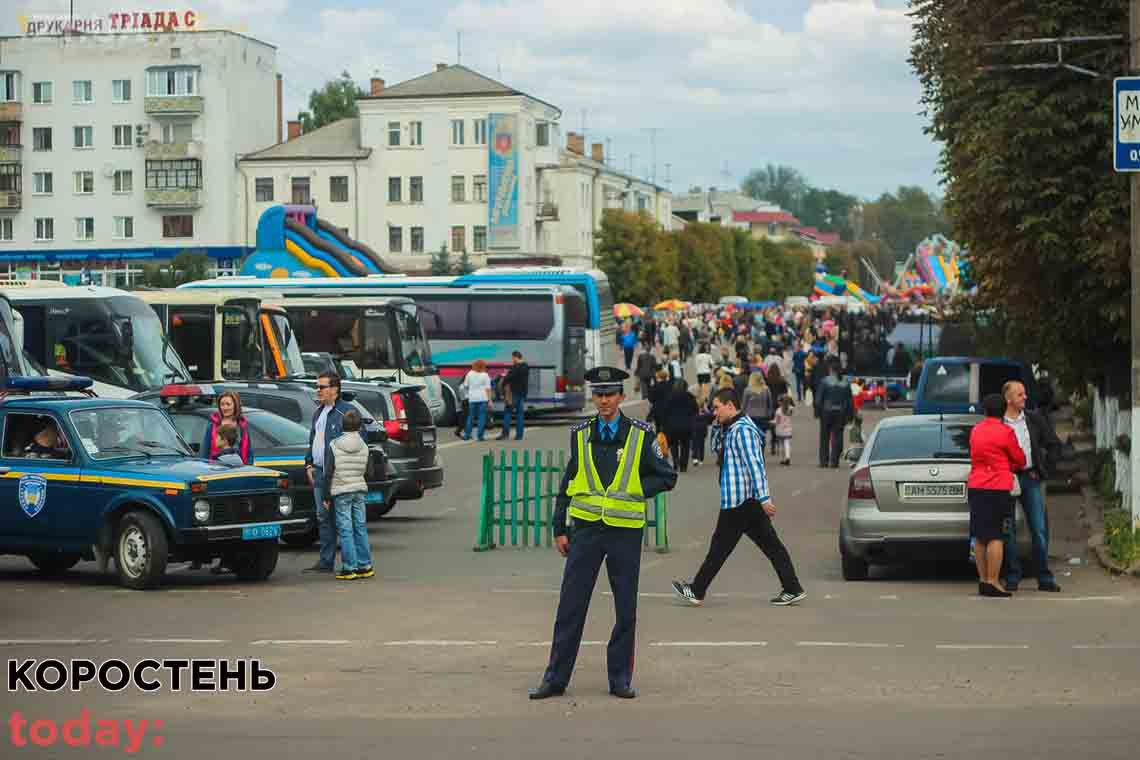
159,151
174,198
10,201
11,154
12,111
173,105
547,212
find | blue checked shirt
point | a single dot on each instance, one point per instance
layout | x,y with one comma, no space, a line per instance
742,474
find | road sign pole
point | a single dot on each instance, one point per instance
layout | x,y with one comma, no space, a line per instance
1134,449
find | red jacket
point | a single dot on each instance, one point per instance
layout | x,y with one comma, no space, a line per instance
994,455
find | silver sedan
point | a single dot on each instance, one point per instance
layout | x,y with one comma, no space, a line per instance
906,498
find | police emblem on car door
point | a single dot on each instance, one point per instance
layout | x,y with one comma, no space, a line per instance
32,494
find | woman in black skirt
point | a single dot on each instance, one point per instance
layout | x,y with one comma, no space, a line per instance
994,456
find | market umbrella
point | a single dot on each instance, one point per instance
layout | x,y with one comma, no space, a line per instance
672,304
627,310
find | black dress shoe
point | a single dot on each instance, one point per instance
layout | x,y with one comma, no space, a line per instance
624,692
546,690
1048,587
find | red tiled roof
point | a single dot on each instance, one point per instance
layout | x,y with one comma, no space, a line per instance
764,217
823,238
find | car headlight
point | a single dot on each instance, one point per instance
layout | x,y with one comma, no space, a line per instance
285,504
201,510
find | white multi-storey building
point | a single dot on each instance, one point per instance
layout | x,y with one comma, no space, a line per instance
119,148
414,172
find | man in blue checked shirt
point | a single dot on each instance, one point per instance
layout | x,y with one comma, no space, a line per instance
745,506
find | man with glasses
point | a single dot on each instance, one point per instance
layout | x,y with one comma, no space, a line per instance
615,465
327,425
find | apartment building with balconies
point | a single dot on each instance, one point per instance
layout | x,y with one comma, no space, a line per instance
119,148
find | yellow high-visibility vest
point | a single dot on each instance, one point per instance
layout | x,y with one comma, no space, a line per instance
622,504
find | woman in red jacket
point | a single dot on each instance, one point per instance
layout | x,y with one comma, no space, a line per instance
994,456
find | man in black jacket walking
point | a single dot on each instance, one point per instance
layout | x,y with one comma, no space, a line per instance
835,408
1042,447
516,384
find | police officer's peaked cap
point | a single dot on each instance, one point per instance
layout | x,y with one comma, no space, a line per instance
606,379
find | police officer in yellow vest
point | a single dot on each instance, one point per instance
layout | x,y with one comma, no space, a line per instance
615,465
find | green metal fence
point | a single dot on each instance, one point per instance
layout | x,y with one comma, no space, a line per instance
517,502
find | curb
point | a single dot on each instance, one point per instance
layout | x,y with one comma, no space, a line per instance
1108,564
1096,541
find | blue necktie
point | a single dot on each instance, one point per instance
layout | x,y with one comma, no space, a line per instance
607,434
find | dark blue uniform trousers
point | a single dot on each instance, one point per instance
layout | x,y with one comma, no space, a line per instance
621,549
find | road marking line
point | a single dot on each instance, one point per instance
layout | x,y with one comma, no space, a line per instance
50,642
439,643
524,591
453,443
797,493
981,646
179,641
889,596
1074,598
709,644
260,642
853,644
1106,646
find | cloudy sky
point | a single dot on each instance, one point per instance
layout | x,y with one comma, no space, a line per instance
725,85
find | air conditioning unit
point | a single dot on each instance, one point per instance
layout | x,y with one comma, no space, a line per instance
142,131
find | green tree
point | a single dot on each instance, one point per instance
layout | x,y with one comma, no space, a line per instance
638,258
781,269
1030,187
441,261
827,210
187,266
903,219
333,102
781,185
464,266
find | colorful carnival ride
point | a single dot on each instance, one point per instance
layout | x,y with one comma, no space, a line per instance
937,267
293,242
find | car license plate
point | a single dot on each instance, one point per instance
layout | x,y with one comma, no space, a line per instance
374,497
256,532
933,490
428,437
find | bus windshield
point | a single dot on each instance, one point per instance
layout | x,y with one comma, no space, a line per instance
10,359
241,342
117,340
415,354
283,344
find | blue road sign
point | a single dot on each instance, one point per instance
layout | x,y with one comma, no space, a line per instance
1126,118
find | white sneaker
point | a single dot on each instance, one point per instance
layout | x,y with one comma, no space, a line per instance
685,591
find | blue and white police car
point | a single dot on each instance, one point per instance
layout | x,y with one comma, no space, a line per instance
84,478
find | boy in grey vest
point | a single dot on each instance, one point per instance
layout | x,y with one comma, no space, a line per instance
345,484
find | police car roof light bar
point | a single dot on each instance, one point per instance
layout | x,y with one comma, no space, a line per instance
31,384
186,391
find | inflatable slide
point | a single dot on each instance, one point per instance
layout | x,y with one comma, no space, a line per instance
293,242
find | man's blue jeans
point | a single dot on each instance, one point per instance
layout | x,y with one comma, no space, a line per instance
326,527
516,407
355,553
1033,503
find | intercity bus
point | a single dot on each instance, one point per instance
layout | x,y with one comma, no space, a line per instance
106,334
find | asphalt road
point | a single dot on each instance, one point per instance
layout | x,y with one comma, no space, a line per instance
433,657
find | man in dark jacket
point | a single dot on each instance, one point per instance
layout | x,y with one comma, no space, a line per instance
1042,448
516,384
645,369
327,425
835,408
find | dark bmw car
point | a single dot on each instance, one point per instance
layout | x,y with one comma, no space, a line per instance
279,444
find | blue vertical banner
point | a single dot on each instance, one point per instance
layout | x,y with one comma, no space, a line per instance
503,181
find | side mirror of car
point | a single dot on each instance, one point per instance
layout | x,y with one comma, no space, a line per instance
852,455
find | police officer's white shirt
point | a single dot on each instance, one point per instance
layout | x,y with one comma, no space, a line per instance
319,437
1021,430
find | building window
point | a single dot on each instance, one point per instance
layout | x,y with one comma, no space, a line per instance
124,181
124,227
41,183
417,239
458,242
479,188
177,133
45,228
394,133
84,228
82,91
41,138
174,175
416,189
178,226
395,185
42,93
10,178
122,135
542,133
457,131
479,239
10,134
338,189
480,131
263,189
458,189
415,133
6,228
9,87
300,186
84,183
173,81
121,90
84,137
395,239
